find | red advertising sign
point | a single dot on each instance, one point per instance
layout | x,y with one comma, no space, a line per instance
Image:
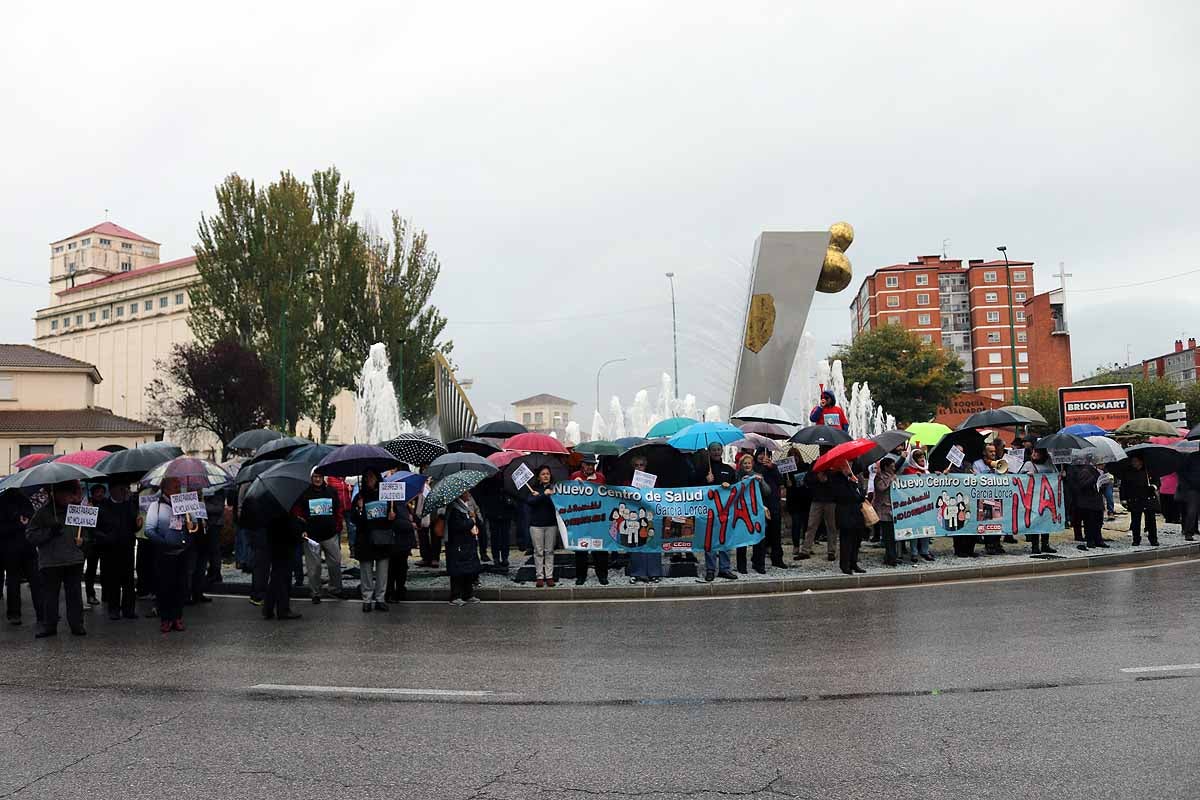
1109,406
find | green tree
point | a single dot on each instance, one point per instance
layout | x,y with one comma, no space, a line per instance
1150,397
1044,400
402,274
909,378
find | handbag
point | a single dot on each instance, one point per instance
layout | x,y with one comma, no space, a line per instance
870,516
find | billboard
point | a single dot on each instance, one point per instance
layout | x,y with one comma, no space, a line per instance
1108,406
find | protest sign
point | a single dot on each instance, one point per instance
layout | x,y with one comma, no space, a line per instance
643,480
956,455
669,520
82,516
521,475
145,501
785,465
977,505
376,509
188,503
1015,459
320,507
392,491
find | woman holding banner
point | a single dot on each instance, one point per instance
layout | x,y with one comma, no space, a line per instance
1039,464
746,468
646,567
915,464
171,538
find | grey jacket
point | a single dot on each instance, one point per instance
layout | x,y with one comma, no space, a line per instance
55,543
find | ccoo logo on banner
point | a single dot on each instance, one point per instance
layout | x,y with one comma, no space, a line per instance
624,518
977,505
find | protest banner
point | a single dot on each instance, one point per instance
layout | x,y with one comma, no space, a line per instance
977,505
643,480
82,516
188,503
521,475
670,520
392,491
785,465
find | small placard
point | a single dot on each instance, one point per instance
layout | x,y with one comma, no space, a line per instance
145,501
392,491
956,455
320,507
521,475
643,480
82,516
1016,460
376,509
188,503
786,465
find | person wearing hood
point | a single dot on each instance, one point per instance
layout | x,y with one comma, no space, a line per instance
881,500
915,464
828,412
60,558
587,472
116,532
20,558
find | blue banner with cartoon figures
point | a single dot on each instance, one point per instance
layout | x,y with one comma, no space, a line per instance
977,505
626,519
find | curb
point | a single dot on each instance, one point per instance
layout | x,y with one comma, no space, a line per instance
750,588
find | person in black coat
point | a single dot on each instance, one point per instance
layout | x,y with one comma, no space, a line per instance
1089,503
117,524
462,550
773,540
405,541
284,533
321,514
20,558
848,493
799,501
1139,494
375,522
498,512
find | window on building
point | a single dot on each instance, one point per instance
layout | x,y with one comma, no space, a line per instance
527,418
85,242
70,245
91,316
148,305
79,319
1023,377
133,308
66,322
1019,277
993,316
58,248
1023,358
891,281
148,252
922,299
179,299
993,358
1022,337
120,311
8,387
893,302
997,397
71,267
927,338
995,379
126,266
53,324
126,246
991,297
30,449
104,313
162,301
922,280
1019,297
106,242
993,337
539,418
1020,316
989,277
893,320
923,319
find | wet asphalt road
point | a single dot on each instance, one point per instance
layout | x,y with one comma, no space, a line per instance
993,689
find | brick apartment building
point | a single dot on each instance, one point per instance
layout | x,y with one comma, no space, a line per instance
1181,367
966,310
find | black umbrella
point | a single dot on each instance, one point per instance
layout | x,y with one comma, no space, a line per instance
472,444
1061,444
885,443
254,439
672,467
49,473
969,439
820,435
1194,434
1160,460
994,418
626,442
132,464
535,461
175,450
503,429
274,492
310,454
415,448
356,459
249,472
278,448
457,462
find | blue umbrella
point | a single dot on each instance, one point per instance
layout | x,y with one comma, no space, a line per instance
355,459
700,435
414,483
669,427
1084,429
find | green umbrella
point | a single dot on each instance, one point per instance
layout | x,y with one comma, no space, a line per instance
1146,426
927,434
451,486
669,427
599,447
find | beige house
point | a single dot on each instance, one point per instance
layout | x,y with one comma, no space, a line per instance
544,412
47,405
114,304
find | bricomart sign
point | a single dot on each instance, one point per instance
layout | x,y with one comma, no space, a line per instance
1109,406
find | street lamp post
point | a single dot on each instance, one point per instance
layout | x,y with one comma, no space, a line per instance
1012,327
674,333
598,371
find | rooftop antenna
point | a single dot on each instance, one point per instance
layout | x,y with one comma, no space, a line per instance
106,215
944,243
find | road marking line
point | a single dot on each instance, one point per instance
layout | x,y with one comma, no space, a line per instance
1165,668
283,687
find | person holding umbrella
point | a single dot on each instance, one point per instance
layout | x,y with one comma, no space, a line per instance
60,558
320,509
716,562
171,538
116,532
588,472
375,521
1082,478
1139,494
1038,463
543,525
848,494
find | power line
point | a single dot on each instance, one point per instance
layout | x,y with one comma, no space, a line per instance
1139,283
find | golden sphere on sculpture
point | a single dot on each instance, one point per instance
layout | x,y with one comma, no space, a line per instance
835,272
841,235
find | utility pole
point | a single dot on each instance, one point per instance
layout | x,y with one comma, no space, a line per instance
1012,327
674,333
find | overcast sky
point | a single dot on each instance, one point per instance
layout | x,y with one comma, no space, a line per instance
563,156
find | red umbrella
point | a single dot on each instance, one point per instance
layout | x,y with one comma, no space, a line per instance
503,459
535,443
25,462
845,451
84,458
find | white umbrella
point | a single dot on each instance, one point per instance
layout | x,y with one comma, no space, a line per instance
1107,450
766,412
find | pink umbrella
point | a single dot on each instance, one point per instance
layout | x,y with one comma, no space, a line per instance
25,462
767,429
84,458
753,441
503,459
535,443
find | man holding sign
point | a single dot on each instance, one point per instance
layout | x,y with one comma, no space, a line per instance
588,472
60,558
116,530
319,511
